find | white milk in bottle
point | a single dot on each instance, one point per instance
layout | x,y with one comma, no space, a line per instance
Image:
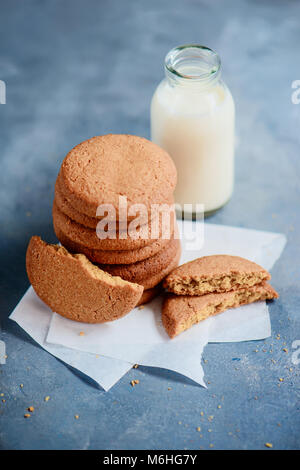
192,118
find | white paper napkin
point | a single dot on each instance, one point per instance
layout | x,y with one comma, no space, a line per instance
35,317
139,337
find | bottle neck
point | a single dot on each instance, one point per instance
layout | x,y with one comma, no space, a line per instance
193,66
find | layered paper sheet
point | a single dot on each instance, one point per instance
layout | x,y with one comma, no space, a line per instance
105,352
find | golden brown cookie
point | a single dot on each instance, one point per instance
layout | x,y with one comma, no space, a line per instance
91,222
89,238
180,312
149,295
65,207
75,288
216,273
100,169
151,271
114,256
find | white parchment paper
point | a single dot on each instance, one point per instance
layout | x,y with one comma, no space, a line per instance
106,352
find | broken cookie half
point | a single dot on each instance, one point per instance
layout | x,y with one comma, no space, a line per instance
216,273
180,312
75,288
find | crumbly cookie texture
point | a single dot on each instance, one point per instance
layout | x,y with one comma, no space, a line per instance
100,169
216,273
181,312
75,288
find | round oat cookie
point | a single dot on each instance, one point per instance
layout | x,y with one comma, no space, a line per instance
64,206
75,288
101,169
150,271
112,256
88,237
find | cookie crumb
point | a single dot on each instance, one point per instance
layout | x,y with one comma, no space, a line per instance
3,401
135,366
21,385
141,307
30,408
81,333
280,379
27,415
47,398
134,382
285,350
76,416
268,444
198,429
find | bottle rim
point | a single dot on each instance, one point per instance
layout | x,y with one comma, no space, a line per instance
206,62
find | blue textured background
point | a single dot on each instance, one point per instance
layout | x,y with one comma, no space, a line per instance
75,69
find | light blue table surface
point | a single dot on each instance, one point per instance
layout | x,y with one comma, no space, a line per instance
75,69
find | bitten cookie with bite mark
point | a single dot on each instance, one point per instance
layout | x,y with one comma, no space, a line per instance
75,288
180,312
216,273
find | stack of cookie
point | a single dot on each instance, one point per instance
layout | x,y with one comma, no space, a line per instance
210,285
110,194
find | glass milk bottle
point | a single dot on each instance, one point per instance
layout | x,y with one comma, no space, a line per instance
192,118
